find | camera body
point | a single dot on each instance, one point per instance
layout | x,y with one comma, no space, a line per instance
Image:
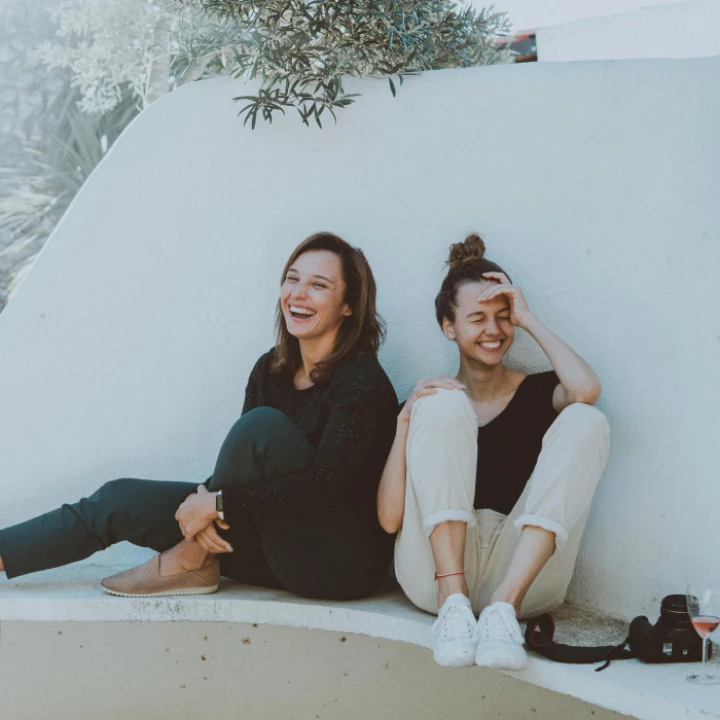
672,639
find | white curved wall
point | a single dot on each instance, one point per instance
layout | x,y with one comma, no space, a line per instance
126,350
679,30
526,15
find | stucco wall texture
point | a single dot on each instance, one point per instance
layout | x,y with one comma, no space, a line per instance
126,350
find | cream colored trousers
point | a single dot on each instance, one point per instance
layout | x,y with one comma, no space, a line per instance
440,486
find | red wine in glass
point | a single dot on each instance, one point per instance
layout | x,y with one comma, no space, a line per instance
705,625
703,604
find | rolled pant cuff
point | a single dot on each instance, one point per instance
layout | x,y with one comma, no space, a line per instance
561,534
442,516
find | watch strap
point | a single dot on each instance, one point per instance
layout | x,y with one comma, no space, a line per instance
219,505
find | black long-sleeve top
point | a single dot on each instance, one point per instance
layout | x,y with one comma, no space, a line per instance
349,419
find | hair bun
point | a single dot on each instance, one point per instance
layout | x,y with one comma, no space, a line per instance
472,248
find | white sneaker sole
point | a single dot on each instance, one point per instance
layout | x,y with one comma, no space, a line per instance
168,593
456,662
493,663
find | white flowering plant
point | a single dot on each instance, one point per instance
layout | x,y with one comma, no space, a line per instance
112,47
138,48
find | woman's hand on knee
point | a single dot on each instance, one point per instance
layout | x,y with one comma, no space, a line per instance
428,386
197,512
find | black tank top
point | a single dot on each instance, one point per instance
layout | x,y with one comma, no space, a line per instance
509,445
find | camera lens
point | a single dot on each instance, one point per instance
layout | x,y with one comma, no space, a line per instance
673,611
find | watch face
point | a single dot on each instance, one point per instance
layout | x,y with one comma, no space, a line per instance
219,502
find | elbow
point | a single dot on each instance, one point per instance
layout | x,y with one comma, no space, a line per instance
389,522
589,395
390,527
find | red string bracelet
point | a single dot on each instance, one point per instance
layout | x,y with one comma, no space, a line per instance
459,572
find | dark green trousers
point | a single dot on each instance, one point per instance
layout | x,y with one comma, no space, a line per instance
333,554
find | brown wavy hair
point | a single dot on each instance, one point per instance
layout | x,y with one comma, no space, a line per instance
361,332
466,264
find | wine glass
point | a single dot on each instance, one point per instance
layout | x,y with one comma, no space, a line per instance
703,606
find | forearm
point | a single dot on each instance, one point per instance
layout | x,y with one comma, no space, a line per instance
576,376
391,491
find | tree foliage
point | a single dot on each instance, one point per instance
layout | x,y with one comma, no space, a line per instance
140,49
302,49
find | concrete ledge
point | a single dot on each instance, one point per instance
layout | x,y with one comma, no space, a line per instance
647,692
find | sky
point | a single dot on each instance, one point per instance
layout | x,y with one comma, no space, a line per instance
532,14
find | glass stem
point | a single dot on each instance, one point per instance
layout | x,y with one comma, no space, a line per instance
705,654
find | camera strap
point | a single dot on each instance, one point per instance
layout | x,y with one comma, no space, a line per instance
539,638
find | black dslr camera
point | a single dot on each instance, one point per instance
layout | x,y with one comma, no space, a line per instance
671,639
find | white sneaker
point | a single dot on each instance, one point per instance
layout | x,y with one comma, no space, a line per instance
455,627
500,641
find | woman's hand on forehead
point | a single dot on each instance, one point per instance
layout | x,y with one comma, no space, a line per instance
500,277
519,309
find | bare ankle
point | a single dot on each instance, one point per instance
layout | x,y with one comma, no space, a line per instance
453,585
209,559
193,559
187,557
510,599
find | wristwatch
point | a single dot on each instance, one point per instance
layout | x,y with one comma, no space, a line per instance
219,505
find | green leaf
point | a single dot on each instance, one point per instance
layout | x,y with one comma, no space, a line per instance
301,49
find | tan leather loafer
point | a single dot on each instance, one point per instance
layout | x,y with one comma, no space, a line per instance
146,581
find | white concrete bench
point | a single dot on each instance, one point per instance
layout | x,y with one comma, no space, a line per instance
646,692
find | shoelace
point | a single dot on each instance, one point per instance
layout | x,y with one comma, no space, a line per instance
457,618
496,626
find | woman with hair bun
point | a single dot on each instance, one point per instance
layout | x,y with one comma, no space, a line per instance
491,475
291,502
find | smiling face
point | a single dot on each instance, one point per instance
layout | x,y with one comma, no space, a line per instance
482,331
312,295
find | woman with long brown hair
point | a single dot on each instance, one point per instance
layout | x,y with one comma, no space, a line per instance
491,476
290,503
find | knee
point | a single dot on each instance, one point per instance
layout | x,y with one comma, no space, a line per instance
449,402
586,420
107,509
255,428
259,435
444,408
115,492
259,421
